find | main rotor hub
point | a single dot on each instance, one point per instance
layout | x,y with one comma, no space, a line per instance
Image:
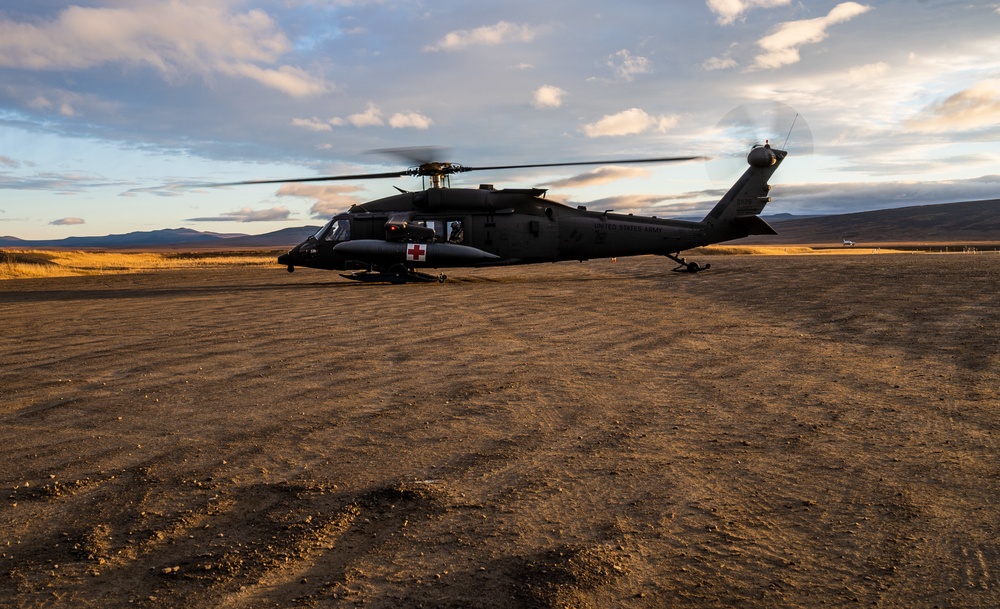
436,171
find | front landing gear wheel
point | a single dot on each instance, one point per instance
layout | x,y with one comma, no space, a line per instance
683,266
398,273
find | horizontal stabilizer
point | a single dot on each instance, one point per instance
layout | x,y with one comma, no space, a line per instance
755,225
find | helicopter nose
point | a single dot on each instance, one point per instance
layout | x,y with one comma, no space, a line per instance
291,259
286,260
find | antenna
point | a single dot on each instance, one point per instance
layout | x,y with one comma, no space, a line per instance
787,137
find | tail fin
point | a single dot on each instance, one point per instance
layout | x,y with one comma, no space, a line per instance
736,214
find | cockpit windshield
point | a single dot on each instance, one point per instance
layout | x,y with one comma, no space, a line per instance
338,229
322,230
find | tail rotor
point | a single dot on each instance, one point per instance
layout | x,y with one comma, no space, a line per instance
756,124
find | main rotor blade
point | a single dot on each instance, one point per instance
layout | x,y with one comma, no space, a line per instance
356,176
442,169
671,159
418,155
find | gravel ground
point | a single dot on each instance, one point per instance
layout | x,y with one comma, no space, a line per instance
779,431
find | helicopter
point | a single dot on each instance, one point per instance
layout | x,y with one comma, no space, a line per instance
397,238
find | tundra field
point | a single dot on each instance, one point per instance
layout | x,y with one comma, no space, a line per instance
781,431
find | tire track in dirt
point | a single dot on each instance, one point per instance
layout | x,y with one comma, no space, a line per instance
584,435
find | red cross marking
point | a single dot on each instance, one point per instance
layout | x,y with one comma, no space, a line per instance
416,253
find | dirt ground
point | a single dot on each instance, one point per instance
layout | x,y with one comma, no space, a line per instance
777,432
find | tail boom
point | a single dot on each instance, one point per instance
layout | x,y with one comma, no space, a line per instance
736,215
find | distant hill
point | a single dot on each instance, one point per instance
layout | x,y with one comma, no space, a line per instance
786,217
968,222
171,238
286,237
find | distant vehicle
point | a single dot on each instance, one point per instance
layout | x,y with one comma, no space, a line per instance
848,242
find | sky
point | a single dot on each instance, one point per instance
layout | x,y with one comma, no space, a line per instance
111,109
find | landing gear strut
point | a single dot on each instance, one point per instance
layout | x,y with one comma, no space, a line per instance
683,266
397,273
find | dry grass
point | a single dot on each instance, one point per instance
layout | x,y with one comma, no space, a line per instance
791,250
16,264
33,263
749,250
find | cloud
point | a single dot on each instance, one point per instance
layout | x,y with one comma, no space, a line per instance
626,65
548,96
782,45
850,197
248,215
371,117
329,199
293,81
411,120
662,206
176,38
629,122
601,175
323,3
67,222
313,124
62,183
977,107
718,63
867,72
45,98
813,198
174,188
490,35
730,10
9,162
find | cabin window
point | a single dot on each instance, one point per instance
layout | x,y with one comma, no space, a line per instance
435,225
450,230
456,231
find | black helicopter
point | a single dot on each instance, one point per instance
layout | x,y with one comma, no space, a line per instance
392,239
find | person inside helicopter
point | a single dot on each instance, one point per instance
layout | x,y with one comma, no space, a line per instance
456,234
340,230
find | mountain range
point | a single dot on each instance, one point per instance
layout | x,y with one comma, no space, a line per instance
966,222
172,238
